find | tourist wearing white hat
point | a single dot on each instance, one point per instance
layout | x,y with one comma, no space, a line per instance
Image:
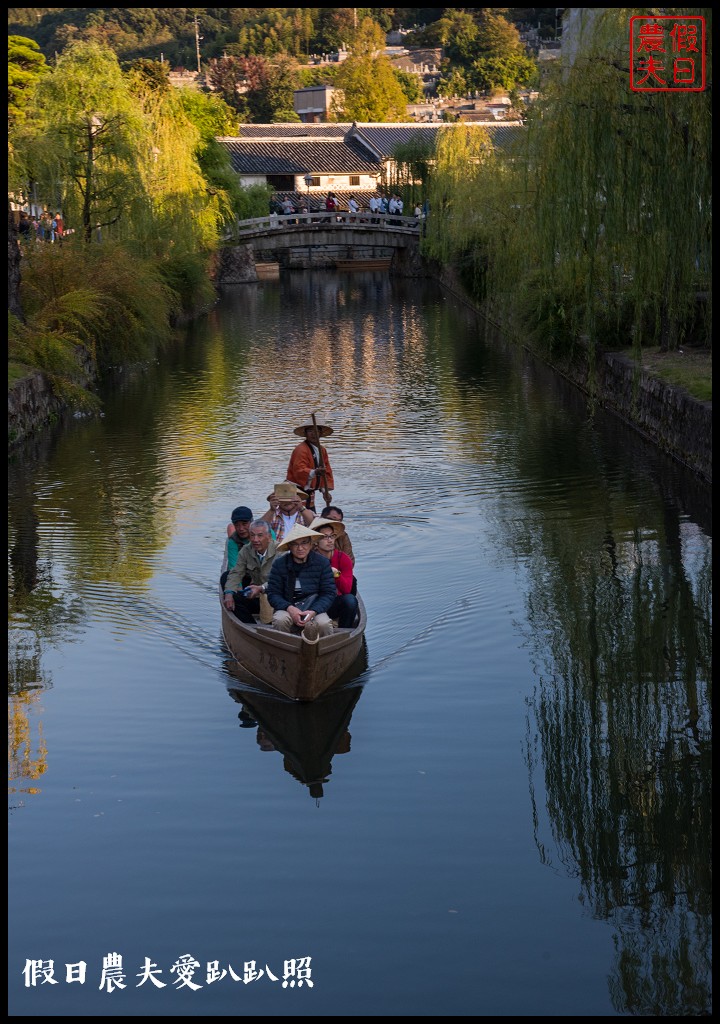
301,586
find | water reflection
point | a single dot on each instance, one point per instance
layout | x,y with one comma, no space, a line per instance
619,742
308,735
27,753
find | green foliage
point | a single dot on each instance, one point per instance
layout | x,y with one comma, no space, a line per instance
605,166
501,73
600,226
496,36
151,73
288,116
549,313
453,83
464,165
252,201
101,297
209,113
85,133
187,277
410,85
119,151
412,170
143,32
25,66
482,53
58,329
458,33
325,74
370,88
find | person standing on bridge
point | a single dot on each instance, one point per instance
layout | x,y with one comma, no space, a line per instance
309,467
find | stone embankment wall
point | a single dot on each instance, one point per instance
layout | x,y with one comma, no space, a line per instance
667,415
31,403
675,421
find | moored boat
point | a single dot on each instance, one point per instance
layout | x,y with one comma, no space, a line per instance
299,665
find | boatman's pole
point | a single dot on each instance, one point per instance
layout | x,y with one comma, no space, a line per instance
323,472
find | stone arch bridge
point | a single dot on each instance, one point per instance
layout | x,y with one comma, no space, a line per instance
330,240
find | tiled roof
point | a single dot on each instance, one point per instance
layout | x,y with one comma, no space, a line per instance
292,131
318,156
384,138
337,148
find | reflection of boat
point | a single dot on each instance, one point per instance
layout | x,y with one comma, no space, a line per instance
308,735
300,666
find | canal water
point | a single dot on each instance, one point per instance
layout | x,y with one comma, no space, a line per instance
505,812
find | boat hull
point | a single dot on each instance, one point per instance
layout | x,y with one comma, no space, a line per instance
294,666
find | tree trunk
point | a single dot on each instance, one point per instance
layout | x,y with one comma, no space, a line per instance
14,276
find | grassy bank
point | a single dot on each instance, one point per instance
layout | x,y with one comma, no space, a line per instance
688,368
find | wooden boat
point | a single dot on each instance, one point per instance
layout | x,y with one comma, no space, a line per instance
379,264
297,665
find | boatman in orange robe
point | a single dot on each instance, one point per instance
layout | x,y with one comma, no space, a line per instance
309,465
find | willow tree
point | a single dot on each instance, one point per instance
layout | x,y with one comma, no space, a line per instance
82,144
120,153
411,166
181,209
462,194
598,223
621,187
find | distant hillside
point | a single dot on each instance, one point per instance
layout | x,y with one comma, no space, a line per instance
170,31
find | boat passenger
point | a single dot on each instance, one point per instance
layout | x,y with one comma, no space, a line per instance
301,586
254,561
304,467
344,608
342,541
237,538
287,508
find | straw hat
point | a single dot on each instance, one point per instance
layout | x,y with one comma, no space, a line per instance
297,533
337,526
287,491
322,430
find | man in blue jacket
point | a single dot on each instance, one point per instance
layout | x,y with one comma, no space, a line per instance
301,586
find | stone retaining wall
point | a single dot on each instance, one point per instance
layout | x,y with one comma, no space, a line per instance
672,419
675,421
31,403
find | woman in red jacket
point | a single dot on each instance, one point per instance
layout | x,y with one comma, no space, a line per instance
345,606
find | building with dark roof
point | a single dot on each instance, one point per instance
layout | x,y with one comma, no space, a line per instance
286,160
310,160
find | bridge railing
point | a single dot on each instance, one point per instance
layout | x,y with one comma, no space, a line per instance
324,219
